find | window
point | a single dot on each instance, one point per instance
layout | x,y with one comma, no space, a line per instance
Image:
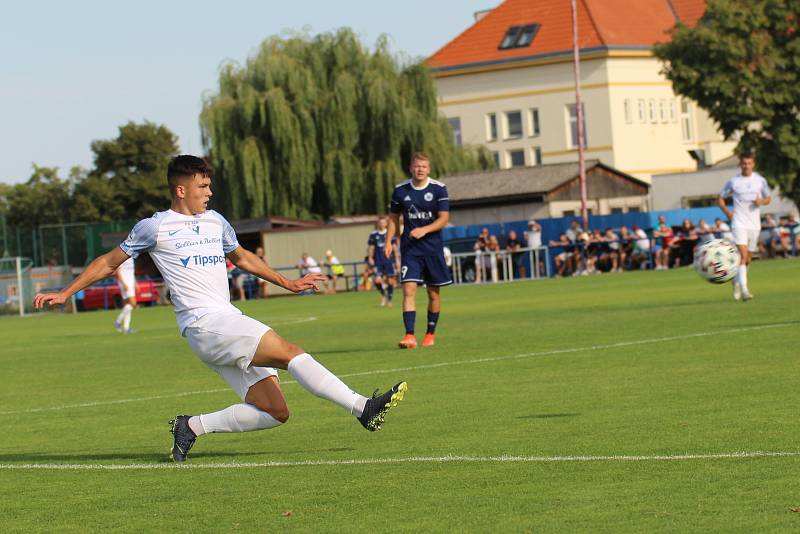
455,124
513,124
573,126
616,211
496,156
686,121
634,209
491,127
673,115
662,110
651,110
537,155
568,213
517,158
534,115
519,36
642,112
628,111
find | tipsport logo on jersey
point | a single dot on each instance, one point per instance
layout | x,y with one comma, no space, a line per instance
202,261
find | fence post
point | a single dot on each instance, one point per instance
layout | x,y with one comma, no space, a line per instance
20,290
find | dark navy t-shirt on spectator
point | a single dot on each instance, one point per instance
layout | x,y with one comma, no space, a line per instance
420,207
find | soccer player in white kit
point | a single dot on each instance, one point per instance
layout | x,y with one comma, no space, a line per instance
189,244
126,280
750,191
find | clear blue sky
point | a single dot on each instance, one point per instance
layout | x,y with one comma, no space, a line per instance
72,72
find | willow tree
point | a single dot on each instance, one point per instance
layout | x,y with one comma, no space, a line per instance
317,126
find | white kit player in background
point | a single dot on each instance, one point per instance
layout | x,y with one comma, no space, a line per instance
750,191
189,244
126,280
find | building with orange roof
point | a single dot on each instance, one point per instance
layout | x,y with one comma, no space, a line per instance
507,82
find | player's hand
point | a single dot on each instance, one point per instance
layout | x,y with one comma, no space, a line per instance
387,249
53,299
309,281
371,262
418,233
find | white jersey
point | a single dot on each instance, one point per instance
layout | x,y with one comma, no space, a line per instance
189,251
126,273
745,190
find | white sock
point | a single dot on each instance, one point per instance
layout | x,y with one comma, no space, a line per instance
196,425
313,376
126,321
236,418
742,276
122,313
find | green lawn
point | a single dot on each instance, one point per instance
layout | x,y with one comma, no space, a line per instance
561,405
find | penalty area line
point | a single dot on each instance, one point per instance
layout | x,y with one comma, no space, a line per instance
411,459
554,352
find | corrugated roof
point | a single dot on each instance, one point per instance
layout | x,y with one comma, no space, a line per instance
602,24
519,181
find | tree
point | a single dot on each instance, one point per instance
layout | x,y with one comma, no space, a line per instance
317,126
129,175
43,199
741,64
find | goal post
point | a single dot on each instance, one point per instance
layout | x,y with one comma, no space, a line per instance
16,288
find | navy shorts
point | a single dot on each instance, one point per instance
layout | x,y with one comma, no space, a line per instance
385,268
431,270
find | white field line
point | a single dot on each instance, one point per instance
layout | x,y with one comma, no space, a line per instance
426,366
409,460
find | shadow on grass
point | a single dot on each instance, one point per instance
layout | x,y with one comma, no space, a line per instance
145,457
548,415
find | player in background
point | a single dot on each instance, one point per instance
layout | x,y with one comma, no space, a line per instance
384,269
189,243
750,191
126,280
426,210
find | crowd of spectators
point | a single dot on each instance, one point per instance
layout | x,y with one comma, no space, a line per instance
577,251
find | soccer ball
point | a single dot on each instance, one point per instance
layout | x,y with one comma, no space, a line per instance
717,260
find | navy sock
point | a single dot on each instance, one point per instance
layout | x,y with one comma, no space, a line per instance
379,287
389,291
433,318
409,318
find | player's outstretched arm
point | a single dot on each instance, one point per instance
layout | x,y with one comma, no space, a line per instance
247,261
101,267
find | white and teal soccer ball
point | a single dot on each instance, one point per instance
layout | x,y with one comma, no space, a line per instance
717,260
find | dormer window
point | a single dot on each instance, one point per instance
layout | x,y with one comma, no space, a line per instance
519,36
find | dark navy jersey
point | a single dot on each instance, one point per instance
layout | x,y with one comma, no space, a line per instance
378,240
420,207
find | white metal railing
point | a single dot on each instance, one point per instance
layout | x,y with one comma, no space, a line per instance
501,265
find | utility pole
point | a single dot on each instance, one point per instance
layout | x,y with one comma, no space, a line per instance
576,55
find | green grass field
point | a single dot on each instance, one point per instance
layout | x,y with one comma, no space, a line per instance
630,402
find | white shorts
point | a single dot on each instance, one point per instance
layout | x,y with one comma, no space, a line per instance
130,292
746,236
226,343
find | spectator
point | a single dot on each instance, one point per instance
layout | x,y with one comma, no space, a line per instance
263,286
235,280
626,238
482,259
767,237
641,247
615,250
578,252
596,251
704,231
682,246
723,229
563,254
494,256
335,270
663,235
574,230
308,265
533,237
793,224
513,246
